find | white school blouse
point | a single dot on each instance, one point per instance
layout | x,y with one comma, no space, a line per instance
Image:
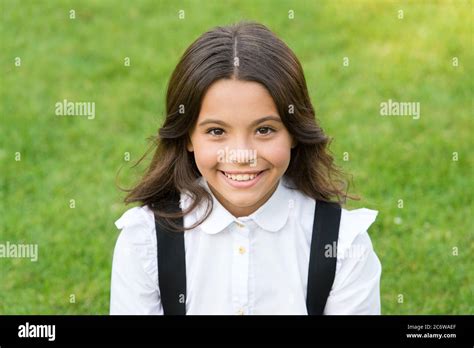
249,265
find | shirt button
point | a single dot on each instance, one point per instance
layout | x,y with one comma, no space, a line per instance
241,250
240,224
240,311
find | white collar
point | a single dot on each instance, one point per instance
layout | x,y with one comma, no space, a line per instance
271,216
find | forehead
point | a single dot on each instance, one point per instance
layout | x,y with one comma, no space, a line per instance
234,99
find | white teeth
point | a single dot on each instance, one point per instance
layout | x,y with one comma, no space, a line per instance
241,177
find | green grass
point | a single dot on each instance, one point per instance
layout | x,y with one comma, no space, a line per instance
391,158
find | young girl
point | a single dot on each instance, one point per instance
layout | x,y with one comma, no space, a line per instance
246,166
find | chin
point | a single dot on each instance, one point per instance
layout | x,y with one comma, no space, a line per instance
241,203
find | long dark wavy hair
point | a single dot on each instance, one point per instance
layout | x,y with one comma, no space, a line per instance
263,58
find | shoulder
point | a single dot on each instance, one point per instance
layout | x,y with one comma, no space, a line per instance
353,229
353,225
137,227
136,217
358,268
137,238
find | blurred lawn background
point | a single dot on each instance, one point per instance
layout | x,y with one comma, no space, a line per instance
391,158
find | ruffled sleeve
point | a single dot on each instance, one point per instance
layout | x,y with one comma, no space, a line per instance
356,287
134,282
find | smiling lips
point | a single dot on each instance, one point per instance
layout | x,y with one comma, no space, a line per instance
242,176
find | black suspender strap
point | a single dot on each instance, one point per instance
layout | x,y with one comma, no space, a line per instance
171,264
322,267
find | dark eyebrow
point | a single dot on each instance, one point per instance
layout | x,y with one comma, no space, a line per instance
254,123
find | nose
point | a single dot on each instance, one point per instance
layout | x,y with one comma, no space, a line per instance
243,151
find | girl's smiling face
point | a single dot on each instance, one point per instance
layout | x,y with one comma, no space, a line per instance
230,137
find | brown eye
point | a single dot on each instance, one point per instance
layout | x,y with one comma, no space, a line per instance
218,130
266,130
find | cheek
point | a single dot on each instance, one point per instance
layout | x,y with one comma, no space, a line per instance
278,155
277,152
206,155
